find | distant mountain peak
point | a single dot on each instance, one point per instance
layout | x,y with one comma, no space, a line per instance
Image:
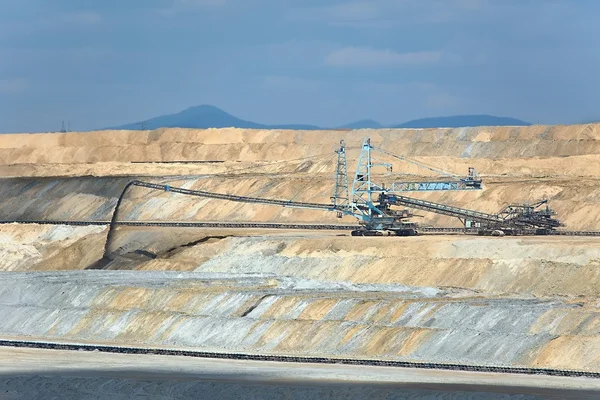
462,121
205,116
204,108
208,116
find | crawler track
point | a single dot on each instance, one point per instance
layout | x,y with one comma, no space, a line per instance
475,231
446,230
575,233
299,359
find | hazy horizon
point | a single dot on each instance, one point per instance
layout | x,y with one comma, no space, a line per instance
325,63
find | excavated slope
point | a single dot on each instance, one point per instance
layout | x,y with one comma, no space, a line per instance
498,301
232,144
491,301
521,164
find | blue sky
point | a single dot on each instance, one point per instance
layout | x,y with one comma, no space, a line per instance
328,62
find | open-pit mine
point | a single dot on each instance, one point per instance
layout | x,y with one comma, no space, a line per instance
233,263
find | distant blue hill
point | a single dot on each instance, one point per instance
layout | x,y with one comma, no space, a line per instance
203,117
206,116
460,121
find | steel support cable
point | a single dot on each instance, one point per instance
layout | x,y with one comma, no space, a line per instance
420,164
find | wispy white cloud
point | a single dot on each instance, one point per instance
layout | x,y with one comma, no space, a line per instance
302,55
368,57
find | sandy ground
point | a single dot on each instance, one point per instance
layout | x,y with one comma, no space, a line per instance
28,373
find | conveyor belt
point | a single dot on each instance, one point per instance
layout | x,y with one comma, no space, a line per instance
444,209
266,225
231,197
187,224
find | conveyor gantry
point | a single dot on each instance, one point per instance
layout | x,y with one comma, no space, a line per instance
370,202
513,219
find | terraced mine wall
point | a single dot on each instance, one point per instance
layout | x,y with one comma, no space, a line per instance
48,247
174,144
521,164
531,302
494,301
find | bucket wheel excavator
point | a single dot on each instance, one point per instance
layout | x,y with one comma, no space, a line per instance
373,204
367,200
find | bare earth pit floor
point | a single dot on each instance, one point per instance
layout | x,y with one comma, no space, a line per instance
55,374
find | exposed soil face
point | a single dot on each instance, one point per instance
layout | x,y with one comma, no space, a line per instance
521,164
529,301
49,247
250,145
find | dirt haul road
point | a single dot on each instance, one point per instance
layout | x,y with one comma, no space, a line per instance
27,374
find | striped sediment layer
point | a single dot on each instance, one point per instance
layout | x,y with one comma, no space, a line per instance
231,144
266,314
519,302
